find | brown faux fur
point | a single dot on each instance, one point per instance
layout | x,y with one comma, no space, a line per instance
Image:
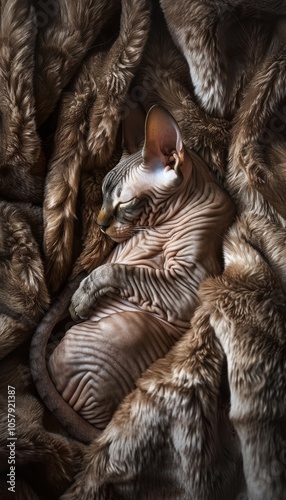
248,313
54,63
95,100
21,161
23,294
171,438
67,29
53,459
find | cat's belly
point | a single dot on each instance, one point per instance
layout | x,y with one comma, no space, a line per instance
113,304
98,361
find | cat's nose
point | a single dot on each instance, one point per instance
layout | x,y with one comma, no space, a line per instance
103,220
103,227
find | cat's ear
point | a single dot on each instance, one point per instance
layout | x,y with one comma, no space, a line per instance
133,128
163,140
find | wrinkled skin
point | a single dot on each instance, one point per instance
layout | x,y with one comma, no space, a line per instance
168,214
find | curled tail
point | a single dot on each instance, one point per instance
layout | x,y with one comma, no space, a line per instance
71,421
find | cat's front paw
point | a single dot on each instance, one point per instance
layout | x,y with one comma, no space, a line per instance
100,282
82,302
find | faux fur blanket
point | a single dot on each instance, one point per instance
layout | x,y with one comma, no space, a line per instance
207,421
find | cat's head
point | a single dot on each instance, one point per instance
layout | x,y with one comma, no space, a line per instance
146,177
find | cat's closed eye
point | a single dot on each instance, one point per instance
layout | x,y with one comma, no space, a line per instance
133,206
128,205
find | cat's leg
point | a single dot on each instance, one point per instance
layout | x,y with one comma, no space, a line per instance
177,411
250,325
97,362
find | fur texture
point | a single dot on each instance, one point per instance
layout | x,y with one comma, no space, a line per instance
55,458
236,56
67,29
166,439
248,314
46,459
23,294
96,100
22,165
227,85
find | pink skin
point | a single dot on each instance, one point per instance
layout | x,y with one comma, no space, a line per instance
140,301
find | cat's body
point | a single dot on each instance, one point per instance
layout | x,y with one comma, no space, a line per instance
236,56
179,406
255,96
169,216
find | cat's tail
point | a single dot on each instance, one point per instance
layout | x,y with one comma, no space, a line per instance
70,419
86,136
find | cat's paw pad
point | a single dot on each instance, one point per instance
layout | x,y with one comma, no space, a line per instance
81,304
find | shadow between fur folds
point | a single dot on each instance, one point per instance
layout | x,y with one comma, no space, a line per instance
255,179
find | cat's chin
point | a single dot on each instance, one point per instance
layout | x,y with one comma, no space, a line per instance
119,235
119,238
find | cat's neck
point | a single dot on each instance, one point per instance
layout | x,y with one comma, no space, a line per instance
195,177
